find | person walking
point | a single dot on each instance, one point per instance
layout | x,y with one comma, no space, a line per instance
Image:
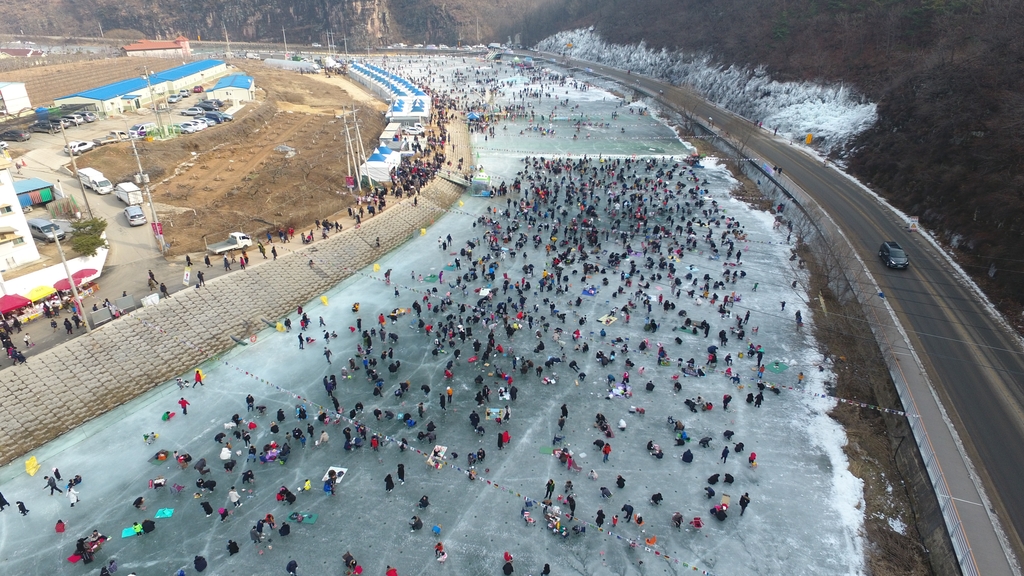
302,343
201,277
198,378
234,497
273,252
550,489
72,496
401,473
744,502
606,451
163,290
501,441
206,260
184,405
725,454
3,502
68,326
51,483
389,483
292,567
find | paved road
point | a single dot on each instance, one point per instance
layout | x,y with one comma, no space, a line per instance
976,366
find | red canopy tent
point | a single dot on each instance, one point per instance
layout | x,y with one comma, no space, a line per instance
78,277
11,302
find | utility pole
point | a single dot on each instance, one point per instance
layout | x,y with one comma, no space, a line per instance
285,36
143,179
359,138
74,166
152,100
348,151
101,29
227,42
74,289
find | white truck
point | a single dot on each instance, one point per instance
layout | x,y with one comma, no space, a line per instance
95,180
128,193
235,241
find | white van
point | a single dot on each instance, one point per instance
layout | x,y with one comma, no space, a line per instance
94,179
140,130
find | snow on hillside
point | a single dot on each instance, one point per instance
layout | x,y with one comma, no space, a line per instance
833,113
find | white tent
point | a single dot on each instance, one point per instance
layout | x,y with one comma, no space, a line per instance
376,168
392,157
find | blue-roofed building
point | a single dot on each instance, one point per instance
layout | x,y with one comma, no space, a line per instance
133,94
234,88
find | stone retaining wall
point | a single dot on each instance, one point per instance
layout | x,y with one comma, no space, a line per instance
66,386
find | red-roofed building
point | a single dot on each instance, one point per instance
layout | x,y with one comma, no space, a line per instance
177,48
19,52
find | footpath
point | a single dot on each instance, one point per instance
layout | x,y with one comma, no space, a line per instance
69,384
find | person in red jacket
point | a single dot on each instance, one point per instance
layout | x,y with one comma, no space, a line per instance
606,450
184,405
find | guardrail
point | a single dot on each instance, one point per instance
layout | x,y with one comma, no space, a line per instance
864,288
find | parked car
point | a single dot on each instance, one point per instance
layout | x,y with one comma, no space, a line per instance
135,216
196,125
416,128
47,127
44,229
185,127
174,98
206,105
216,102
76,119
184,93
193,111
235,241
90,117
222,116
18,135
76,147
892,255
214,117
198,89
317,45
141,130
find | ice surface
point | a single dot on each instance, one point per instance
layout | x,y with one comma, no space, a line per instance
805,516
832,113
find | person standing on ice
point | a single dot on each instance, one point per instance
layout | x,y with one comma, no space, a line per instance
389,483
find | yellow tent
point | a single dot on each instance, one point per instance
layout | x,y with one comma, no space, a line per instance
39,292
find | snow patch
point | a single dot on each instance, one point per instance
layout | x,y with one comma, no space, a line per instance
832,113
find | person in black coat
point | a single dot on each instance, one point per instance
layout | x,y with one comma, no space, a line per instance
232,547
200,563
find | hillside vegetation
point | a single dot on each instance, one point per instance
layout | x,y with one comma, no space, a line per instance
945,74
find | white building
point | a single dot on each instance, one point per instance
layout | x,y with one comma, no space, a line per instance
13,98
235,88
16,245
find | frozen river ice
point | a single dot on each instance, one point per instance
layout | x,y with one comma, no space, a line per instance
805,512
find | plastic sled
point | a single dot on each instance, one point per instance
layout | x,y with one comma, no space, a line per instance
128,532
726,499
303,517
164,513
74,558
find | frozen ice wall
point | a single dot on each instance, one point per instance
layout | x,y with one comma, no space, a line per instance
832,113
805,516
